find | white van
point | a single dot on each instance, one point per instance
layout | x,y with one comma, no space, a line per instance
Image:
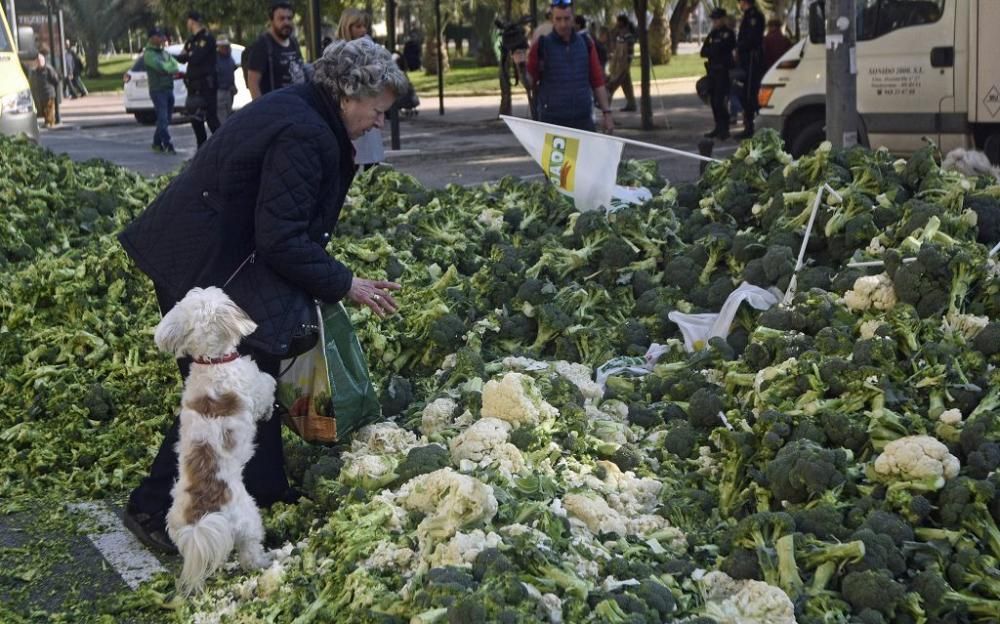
17,110
926,68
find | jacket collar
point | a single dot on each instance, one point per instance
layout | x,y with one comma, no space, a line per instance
330,111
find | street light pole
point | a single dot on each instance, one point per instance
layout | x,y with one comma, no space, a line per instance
841,74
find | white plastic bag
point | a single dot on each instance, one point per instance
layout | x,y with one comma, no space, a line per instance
700,328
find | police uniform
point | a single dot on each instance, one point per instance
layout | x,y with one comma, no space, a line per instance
750,54
201,82
718,50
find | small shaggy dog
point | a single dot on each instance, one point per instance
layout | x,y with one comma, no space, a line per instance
224,397
971,163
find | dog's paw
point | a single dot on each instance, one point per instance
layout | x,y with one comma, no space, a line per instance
255,560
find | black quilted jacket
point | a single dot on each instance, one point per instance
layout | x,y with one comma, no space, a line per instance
268,187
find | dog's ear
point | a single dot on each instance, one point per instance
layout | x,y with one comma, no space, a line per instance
233,320
171,331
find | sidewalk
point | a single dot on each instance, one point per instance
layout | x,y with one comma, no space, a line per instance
469,144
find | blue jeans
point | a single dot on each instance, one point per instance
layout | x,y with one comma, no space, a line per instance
163,103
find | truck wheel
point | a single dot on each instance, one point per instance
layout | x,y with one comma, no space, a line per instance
146,118
806,133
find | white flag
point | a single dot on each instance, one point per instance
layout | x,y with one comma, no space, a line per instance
583,165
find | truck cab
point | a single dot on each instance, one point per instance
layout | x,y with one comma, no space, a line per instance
925,68
17,110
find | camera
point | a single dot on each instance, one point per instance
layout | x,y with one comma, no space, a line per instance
512,35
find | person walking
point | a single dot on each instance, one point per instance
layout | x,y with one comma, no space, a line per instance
200,77
775,43
45,87
274,60
564,68
258,225
225,75
749,57
620,71
368,150
78,69
718,53
70,88
161,69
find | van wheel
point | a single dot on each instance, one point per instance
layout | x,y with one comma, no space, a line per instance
806,134
146,118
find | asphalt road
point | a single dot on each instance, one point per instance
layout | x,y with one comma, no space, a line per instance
466,145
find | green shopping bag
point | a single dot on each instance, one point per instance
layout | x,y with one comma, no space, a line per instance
326,392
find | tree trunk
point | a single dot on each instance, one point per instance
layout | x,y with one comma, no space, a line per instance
93,54
659,37
645,102
430,60
678,18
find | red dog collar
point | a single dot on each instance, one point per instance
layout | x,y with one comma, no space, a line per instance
219,360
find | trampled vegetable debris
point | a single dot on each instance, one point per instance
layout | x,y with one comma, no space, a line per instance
832,460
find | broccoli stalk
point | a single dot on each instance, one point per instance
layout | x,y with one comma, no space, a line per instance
563,261
788,570
816,554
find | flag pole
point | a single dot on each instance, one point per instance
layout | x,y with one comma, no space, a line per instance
660,148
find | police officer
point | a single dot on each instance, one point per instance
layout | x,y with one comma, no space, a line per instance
200,79
749,56
718,50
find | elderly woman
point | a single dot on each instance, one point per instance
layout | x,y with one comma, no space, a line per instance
369,151
253,213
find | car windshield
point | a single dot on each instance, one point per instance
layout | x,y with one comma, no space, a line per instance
4,40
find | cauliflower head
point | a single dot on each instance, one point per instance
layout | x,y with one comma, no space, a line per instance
729,601
383,437
450,499
920,461
871,291
477,442
437,416
372,472
515,399
461,550
595,513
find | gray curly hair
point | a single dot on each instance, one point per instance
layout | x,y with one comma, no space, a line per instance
358,69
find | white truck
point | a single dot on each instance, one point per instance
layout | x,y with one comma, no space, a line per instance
925,68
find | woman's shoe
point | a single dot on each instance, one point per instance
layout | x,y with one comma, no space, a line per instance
150,530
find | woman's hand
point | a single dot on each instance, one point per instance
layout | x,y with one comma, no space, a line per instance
374,294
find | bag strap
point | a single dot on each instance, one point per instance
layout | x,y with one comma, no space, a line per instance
240,268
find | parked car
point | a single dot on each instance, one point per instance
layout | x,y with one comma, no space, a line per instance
137,99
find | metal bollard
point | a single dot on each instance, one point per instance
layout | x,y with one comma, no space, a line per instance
705,147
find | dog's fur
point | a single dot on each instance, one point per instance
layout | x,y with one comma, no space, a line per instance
970,163
221,404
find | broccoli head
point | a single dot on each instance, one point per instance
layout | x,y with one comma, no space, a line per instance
422,460
803,470
704,408
874,590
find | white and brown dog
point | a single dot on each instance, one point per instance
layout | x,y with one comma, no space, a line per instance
224,397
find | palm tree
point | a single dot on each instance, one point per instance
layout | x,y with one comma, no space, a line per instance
99,21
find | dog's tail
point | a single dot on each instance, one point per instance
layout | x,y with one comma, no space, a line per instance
205,546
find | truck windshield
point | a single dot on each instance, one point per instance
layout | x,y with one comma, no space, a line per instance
881,17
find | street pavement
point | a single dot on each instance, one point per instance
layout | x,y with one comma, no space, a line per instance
468,144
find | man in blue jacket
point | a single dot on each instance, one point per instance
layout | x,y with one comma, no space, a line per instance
564,69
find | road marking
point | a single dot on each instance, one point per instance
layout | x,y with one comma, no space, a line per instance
130,559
